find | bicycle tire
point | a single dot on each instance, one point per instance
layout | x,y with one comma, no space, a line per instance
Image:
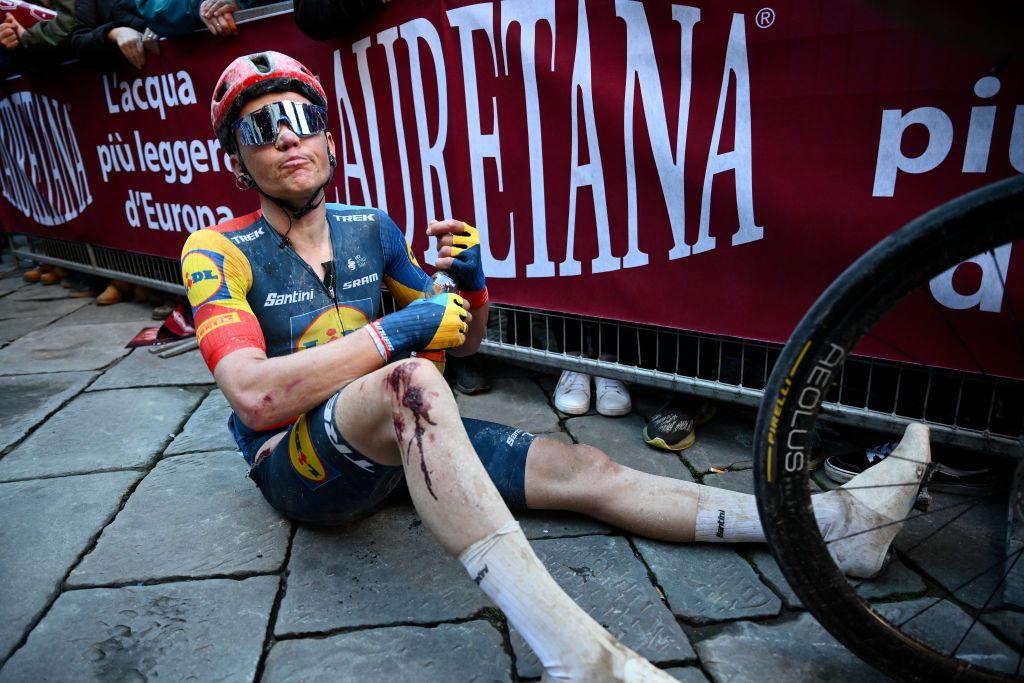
908,258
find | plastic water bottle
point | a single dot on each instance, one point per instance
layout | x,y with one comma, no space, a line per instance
439,283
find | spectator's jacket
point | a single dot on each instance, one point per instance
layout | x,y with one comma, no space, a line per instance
327,19
94,19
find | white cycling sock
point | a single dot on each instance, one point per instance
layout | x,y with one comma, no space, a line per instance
731,517
561,634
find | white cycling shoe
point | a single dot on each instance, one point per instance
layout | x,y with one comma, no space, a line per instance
875,504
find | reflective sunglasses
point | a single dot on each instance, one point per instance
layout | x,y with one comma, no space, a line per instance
262,126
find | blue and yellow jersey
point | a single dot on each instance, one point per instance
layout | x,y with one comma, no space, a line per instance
248,290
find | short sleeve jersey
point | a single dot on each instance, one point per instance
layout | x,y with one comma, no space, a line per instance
248,289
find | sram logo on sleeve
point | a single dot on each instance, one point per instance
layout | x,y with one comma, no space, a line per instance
203,274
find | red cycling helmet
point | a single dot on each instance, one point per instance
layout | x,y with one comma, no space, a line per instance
254,75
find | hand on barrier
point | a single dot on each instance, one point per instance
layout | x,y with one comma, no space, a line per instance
459,254
426,324
129,42
219,17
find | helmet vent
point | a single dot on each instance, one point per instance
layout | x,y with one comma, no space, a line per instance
219,95
261,62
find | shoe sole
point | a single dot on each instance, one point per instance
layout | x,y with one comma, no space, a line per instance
837,475
660,443
469,392
616,413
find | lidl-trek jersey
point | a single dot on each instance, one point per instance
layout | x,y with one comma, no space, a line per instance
248,288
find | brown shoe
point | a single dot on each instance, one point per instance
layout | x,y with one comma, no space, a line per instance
54,276
111,295
37,272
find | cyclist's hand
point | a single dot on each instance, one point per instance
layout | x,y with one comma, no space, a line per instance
459,254
439,322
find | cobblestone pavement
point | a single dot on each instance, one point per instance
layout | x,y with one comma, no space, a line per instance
134,546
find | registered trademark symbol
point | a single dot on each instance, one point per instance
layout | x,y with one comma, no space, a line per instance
765,17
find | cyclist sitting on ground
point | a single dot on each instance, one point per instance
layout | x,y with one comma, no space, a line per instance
331,432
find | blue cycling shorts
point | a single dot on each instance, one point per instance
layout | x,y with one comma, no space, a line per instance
314,476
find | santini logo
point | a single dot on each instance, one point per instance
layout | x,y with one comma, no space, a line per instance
275,299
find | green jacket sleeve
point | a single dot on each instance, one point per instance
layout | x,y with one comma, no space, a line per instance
51,34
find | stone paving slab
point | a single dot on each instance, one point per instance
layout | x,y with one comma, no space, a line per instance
40,292
56,349
47,524
942,626
26,400
10,308
11,284
687,674
965,538
449,652
741,482
12,328
604,577
518,402
896,580
797,650
142,369
102,431
706,583
198,630
207,428
193,516
726,441
124,312
1010,625
547,524
387,569
620,438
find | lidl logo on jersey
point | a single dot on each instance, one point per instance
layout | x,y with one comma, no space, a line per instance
314,472
203,274
329,323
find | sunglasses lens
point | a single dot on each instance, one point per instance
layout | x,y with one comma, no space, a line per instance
261,127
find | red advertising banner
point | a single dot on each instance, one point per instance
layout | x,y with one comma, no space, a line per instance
708,166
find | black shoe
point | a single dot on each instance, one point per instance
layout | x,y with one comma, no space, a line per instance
672,427
973,482
978,481
845,466
469,376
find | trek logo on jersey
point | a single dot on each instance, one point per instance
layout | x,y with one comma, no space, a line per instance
356,217
329,323
247,237
360,281
275,299
203,274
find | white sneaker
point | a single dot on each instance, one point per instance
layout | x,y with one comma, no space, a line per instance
876,503
572,393
612,397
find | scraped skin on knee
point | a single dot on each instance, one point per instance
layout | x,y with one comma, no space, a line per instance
413,398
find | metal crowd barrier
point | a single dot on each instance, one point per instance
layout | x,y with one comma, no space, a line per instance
965,410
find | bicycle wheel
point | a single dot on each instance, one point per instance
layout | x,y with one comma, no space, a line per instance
856,314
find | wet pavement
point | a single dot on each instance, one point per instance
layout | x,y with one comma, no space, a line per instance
134,547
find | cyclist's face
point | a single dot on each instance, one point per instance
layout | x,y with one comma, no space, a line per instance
292,167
